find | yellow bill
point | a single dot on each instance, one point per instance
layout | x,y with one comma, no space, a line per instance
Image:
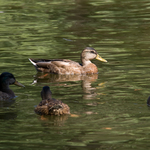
19,84
100,58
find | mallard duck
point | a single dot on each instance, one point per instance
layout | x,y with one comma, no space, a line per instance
7,79
65,66
51,106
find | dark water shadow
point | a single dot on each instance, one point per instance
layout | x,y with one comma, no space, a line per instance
5,112
7,103
8,116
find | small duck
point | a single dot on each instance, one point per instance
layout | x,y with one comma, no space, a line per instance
51,106
65,66
7,79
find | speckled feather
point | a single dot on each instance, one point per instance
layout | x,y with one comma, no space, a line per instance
51,106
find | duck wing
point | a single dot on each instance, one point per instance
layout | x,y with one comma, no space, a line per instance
52,107
58,66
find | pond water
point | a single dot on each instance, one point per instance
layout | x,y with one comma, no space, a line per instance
108,110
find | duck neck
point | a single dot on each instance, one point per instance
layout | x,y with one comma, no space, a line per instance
5,88
46,95
86,62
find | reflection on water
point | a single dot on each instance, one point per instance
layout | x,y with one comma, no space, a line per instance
112,107
6,103
87,80
53,120
8,115
6,112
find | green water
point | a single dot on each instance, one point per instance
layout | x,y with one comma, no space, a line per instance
109,109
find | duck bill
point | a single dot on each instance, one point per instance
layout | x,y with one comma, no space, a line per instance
19,84
100,58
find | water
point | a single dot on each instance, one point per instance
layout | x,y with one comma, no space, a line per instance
108,110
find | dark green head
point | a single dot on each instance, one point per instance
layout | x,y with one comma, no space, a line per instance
46,93
7,79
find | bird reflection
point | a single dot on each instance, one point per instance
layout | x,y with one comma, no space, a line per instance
52,120
6,113
88,90
8,116
6,103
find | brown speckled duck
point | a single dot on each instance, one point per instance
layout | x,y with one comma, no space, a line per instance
51,106
7,79
65,66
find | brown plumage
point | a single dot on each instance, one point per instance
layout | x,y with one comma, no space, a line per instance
51,106
7,79
65,66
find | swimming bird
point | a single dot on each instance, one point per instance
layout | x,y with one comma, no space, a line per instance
51,106
65,66
148,101
7,79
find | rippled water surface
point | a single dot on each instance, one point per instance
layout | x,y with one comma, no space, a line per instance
108,110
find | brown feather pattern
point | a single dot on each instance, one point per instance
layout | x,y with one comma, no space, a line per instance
51,106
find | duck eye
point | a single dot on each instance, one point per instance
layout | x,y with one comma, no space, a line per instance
93,52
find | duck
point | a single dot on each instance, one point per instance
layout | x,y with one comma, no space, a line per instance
51,106
65,66
7,79
148,101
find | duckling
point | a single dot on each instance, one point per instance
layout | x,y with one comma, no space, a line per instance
7,79
51,106
65,66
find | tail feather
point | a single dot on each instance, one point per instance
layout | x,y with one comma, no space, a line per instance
32,62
